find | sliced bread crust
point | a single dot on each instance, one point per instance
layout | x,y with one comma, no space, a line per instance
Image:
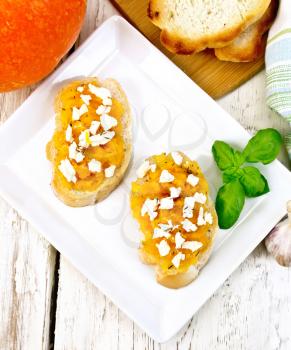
75,198
250,45
192,26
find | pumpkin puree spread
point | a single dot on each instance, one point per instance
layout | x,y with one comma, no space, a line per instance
170,202
88,139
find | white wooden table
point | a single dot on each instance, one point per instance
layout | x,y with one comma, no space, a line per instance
46,303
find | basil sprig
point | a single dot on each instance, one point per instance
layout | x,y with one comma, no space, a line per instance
243,181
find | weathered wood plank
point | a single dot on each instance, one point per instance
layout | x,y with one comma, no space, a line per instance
27,265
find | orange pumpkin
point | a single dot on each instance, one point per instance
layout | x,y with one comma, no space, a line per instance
34,36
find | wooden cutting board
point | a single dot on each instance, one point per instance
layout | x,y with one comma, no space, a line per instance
217,78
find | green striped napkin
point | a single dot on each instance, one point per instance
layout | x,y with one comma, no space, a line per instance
278,65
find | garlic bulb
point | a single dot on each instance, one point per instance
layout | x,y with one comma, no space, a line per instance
278,242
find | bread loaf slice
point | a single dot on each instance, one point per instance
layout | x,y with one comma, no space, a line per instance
190,26
250,45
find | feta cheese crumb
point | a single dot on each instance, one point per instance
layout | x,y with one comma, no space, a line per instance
163,248
94,166
200,220
159,233
175,192
107,122
86,99
166,177
169,226
143,169
192,245
166,203
84,139
192,180
67,169
80,88
109,172
153,167
200,198
149,207
177,157
179,240
107,101
177,259
103,109
100,92
78,112
69,134
102,139
188,207
74,153
94,127
188,226
208,218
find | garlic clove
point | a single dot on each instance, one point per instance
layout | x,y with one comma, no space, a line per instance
278,242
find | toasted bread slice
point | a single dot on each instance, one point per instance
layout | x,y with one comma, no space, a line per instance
250,45
93,188
176,226
190,26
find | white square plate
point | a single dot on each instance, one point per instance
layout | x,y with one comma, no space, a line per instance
170,112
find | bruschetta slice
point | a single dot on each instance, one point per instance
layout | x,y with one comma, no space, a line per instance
170,200
92,143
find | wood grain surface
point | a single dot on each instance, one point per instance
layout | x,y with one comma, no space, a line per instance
216,77
45,303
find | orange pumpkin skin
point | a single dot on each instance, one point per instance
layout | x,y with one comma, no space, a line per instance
34,36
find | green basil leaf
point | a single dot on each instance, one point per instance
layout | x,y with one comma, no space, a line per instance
231,174
264,147
229,203
254,183
225,156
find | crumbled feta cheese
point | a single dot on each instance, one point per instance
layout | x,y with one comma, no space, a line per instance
80,88
208,218
143,169
200,198
69,134
175,192
192,180
159,233
100,92
153,167
67,169
188,207
188,226
177,259
163,248
84,139
74,153
107,122
192,245
177,157
169,226
109,172
86,99
200,220
103,109
78,112
107,101
94,166
94,127
102,139
179,240
149,207
166,177
166,203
